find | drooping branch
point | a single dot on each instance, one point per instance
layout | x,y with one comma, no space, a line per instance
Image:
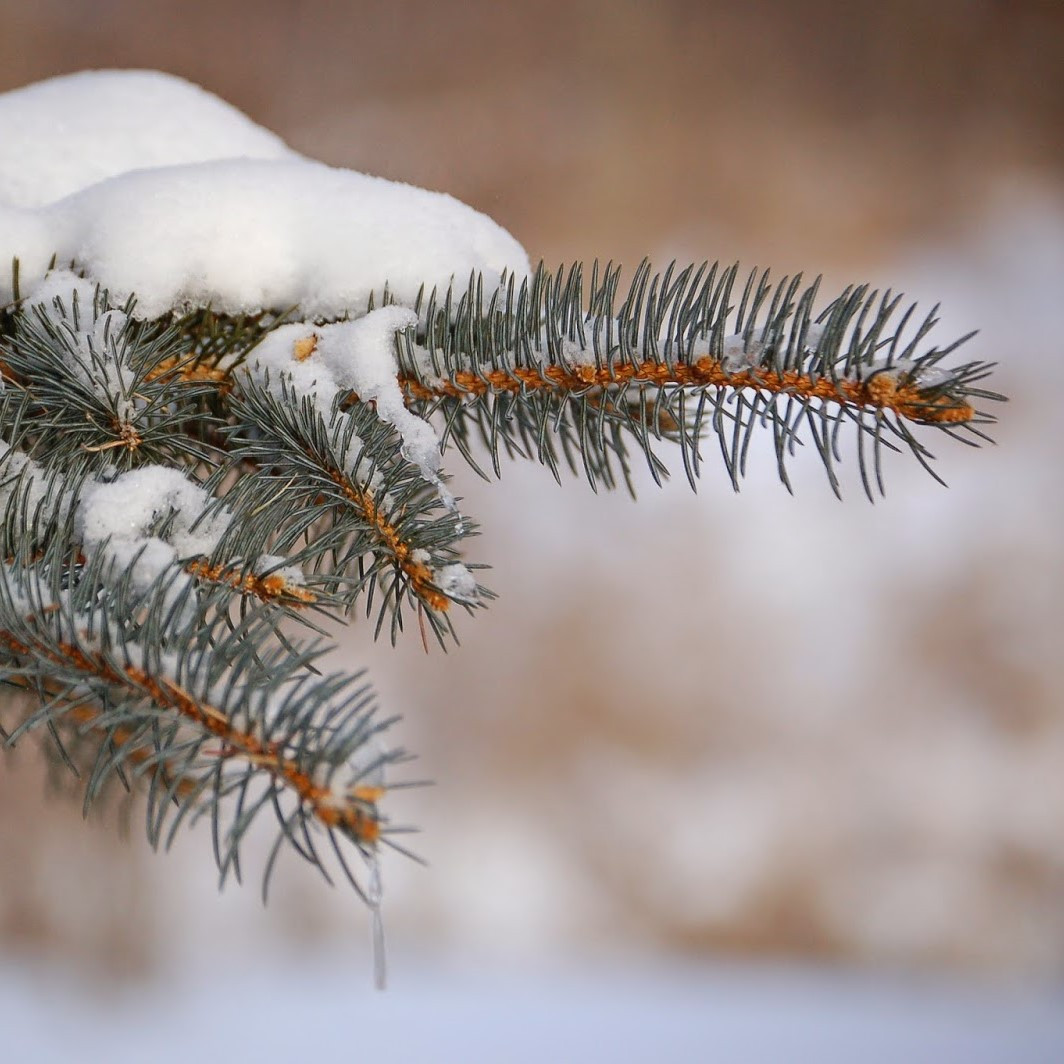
325,477
357,815
340,484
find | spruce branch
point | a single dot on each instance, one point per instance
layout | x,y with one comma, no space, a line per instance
339,483
211,712
103,383
224,407
257,490
677,358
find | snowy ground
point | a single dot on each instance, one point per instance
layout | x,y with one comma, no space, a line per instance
323,1009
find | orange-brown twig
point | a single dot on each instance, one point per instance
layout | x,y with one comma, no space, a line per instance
82,713
123,737
189,370
879,392
128,437
418,573
272,588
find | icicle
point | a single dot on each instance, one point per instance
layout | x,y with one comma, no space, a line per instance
448,500
374,894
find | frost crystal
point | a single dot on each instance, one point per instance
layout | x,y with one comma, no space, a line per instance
740,355
276,565
918,373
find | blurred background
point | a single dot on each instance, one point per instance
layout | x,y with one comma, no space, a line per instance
701,740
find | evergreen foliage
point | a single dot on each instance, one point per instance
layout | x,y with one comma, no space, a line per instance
179,666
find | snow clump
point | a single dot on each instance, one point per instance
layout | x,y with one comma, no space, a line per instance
152,188
327,361
146,520
356,356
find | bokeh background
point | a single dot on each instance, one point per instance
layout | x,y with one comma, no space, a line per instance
693,730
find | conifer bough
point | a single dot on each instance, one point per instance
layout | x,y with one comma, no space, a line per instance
229,375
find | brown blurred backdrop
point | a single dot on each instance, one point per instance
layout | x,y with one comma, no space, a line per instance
697,724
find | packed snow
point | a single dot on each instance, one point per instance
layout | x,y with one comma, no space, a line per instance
184,202
456,582
149,519
142,523
66,133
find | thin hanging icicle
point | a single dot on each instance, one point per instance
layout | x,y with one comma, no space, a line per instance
374,895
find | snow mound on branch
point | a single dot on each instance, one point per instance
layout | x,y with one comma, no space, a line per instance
247,235
356,356
119,518
83,128
67,133
239,234
128,507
